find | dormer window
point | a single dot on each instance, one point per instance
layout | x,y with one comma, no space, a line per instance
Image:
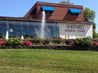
74,12
48,10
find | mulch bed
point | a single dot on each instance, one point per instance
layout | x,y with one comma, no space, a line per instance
58,47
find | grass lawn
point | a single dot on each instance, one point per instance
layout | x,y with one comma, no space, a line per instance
47,61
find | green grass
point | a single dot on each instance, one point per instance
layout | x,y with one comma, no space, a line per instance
47,61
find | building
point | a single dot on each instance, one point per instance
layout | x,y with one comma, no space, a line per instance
64,21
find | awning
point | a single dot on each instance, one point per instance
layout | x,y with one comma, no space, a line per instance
75,10
45,8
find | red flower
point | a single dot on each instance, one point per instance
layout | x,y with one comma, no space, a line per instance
71,43
94,42
27,42
3,42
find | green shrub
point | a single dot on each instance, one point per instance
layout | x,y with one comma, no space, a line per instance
67,41
58,41
88,42
46,41
33,41
36,41
83,41
14,41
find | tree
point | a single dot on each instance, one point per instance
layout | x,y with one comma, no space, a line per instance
94,30
65,2
88,14
97,35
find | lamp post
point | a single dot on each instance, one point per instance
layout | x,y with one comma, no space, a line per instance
11,30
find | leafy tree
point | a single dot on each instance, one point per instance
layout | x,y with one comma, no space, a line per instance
88,14
65,2
94,30
97,35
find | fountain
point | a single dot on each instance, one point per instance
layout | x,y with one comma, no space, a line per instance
43,25
22,37
7,33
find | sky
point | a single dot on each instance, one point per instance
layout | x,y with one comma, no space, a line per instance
18,8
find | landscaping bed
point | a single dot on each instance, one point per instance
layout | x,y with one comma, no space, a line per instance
55,47
60,44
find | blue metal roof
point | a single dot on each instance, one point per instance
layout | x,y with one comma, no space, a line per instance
45,8
75,10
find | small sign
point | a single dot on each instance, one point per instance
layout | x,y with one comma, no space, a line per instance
75,28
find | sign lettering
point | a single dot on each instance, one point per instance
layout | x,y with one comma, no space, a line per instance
75,28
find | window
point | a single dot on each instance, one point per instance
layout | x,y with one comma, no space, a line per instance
74,14
48,12
27,29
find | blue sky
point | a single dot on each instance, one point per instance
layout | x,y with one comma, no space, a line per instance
18,8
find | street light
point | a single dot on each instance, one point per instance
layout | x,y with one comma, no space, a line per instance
11,30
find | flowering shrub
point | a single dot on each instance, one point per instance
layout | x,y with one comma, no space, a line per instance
94,42
27,42
3,42
71,43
